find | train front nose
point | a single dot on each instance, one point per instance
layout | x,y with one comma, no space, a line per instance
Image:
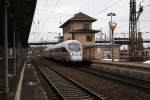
76,56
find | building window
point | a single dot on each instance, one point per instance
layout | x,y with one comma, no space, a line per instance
68,38
86,26
107,55
73,37
89,38
69,28
147,53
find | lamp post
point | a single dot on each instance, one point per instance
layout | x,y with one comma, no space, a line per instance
111,14
112,27
100,35
105,38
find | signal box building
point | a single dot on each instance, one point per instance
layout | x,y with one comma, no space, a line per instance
79,27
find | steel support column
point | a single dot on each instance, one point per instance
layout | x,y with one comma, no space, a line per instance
6,88
14,49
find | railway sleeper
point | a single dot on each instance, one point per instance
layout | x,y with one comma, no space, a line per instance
74,92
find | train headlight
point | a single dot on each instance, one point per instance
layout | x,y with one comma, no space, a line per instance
71,53
79,54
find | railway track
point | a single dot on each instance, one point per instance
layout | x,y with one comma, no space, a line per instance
128,80
65,87
135,82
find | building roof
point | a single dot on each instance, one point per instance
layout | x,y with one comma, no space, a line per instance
85,31
79,17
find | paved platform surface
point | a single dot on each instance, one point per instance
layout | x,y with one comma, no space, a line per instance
31,86
129,69
133,64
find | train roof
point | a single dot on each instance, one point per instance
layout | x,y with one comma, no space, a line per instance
62,44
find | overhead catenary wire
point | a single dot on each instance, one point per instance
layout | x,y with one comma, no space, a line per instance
145,27
61,15
113,4
143,1
145,5
46,20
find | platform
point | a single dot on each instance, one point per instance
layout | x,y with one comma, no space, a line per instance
29,87
133,64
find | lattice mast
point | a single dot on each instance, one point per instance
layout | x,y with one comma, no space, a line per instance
135,38
132,29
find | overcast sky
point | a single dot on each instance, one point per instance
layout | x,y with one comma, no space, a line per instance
51,13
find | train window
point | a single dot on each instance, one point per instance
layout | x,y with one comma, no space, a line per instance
52,51
74,46
58,50
55,50
63,49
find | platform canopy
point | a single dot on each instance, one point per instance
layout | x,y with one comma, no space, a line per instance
20,16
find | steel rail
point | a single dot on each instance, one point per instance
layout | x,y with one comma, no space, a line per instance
71,89
131,81
58,94
115,76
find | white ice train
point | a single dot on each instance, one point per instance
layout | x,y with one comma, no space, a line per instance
70,50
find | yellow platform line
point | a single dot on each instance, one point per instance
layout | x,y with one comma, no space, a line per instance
18,92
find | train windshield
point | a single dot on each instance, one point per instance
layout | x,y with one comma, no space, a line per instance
74,46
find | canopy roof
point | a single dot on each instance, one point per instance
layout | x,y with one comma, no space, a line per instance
20,16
